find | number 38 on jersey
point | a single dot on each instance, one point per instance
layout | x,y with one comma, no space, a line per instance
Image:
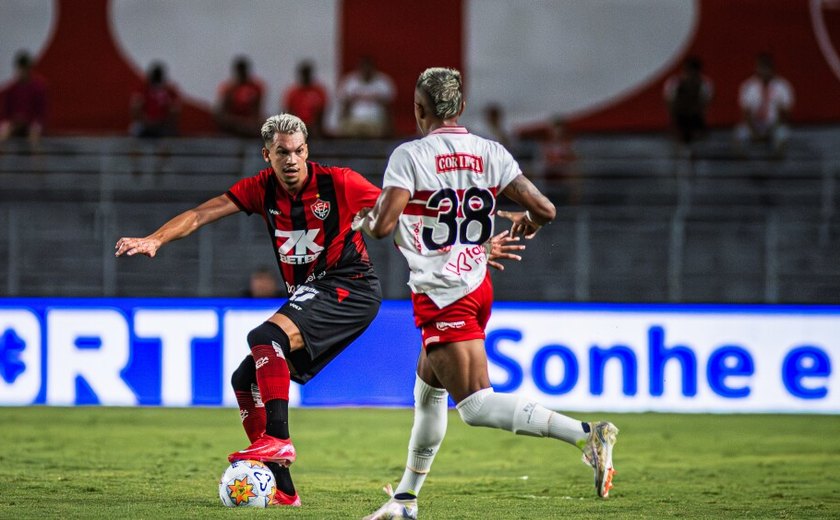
463,217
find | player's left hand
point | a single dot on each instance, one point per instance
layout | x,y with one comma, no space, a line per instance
522,225
360,218
500,247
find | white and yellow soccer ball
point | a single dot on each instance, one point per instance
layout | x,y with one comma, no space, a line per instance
247,483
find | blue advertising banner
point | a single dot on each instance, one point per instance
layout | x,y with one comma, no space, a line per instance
181,352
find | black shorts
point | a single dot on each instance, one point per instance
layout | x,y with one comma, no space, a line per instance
330,313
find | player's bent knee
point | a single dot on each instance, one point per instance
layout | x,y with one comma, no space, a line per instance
268,333
505,411
471,408
472,420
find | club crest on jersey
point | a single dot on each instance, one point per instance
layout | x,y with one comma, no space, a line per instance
320,208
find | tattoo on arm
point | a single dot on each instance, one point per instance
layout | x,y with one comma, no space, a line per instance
521,189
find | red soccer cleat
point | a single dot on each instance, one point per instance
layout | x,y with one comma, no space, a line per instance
282,499
267,449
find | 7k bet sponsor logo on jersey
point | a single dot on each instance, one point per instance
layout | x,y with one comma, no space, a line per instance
306,250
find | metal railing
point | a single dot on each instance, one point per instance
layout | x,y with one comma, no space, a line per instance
647,224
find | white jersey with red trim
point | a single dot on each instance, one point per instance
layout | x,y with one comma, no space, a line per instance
453,177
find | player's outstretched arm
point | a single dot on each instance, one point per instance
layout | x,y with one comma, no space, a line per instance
502,247
382,219
539,210
178,227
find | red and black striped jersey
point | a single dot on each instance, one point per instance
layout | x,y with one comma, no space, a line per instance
311,230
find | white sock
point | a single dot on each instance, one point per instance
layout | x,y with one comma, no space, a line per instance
430,413
565,428
519,415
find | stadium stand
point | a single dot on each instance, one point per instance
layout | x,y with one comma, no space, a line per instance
651,226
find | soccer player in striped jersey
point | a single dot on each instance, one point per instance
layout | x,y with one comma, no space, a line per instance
308,210
439,198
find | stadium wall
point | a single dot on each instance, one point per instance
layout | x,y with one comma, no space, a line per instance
181,352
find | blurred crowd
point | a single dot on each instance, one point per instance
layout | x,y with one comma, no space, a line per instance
765,100
23,102
364,97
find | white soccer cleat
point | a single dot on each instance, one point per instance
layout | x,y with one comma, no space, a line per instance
597,452
394,508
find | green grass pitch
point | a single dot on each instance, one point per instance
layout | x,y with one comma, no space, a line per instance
151,463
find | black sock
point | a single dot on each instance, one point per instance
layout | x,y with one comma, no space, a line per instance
405,496
283,477
586,428
277,418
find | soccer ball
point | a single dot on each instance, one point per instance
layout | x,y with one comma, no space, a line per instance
247,483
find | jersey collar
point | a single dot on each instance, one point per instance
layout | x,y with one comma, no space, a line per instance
449,130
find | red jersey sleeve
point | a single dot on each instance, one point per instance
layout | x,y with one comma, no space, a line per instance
249,193
358,191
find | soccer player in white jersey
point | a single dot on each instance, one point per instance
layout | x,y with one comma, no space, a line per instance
439,198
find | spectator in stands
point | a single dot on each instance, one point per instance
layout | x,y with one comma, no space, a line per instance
366,96
687,96
766,100
307,99
557,162
24,103
156,106
239,108
492,125
262,284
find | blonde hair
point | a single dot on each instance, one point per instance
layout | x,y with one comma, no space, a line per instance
284,124
444,88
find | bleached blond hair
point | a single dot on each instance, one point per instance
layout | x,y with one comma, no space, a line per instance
282,124
443,86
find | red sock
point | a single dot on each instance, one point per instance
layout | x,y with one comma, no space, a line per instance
273,375
252,411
